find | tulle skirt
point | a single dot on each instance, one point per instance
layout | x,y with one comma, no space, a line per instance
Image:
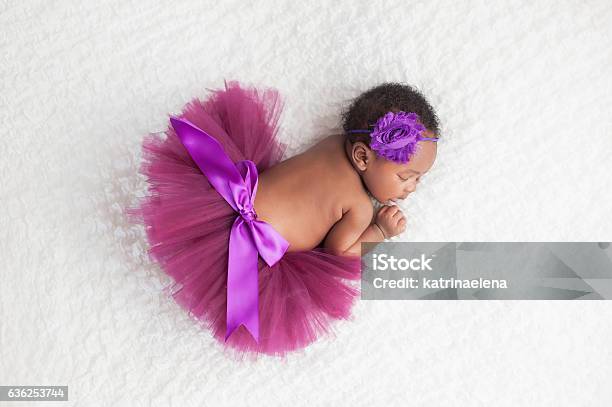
188,224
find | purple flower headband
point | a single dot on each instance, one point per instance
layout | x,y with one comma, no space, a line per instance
396,135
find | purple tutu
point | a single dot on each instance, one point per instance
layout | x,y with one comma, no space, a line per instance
188,225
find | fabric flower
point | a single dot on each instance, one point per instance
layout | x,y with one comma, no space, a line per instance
396,135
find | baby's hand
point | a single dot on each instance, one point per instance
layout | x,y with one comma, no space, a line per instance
390,220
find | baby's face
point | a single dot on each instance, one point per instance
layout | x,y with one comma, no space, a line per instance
390,181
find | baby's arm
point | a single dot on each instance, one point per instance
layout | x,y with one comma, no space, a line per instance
355,226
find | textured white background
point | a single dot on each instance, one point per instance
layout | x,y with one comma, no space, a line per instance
523,90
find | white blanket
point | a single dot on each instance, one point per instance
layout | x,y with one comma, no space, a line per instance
523,91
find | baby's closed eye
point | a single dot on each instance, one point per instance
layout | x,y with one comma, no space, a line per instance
409,177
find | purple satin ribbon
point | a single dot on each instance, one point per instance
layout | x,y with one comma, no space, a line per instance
237,184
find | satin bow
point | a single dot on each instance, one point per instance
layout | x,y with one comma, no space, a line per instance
237,184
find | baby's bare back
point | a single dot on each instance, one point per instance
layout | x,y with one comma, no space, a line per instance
304,196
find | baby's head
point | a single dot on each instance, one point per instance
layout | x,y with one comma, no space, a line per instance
388,150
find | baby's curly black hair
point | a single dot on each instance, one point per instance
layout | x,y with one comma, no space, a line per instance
372,104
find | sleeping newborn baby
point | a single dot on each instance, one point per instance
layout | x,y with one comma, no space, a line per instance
322,194
262,251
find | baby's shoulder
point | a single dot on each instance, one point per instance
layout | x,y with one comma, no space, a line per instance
358,201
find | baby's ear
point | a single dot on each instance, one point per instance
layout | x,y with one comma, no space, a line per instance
360,154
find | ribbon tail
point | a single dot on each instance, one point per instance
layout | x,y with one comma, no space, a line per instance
242,281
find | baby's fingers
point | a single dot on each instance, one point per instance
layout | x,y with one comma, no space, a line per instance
398,214
402,224
393,210
386,212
